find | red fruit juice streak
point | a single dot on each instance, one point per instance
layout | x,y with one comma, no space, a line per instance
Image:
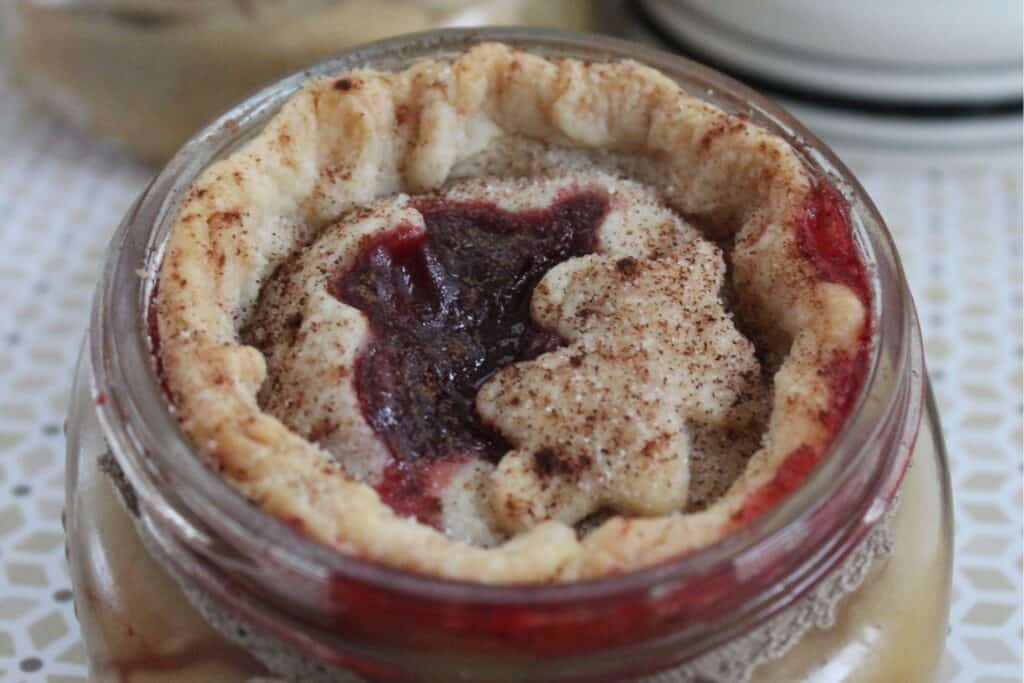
153,330
412,489
825,239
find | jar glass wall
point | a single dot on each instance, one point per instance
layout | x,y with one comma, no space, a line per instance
894,627
139,626
296,603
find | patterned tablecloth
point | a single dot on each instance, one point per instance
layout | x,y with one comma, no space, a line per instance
61,196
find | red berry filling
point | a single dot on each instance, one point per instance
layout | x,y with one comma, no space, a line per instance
447,308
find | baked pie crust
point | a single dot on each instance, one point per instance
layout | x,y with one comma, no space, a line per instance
346,157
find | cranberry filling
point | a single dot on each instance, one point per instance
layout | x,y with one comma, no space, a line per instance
447,308
826,240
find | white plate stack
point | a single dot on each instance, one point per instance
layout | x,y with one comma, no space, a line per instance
915,78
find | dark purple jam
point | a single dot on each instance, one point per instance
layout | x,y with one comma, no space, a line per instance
449,307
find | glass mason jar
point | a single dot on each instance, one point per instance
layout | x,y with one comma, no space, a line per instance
149,73
845,580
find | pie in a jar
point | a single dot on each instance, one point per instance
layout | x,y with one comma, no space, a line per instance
509,319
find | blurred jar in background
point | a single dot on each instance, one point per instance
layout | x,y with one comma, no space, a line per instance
147,73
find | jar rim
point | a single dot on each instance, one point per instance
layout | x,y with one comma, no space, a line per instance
148,441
